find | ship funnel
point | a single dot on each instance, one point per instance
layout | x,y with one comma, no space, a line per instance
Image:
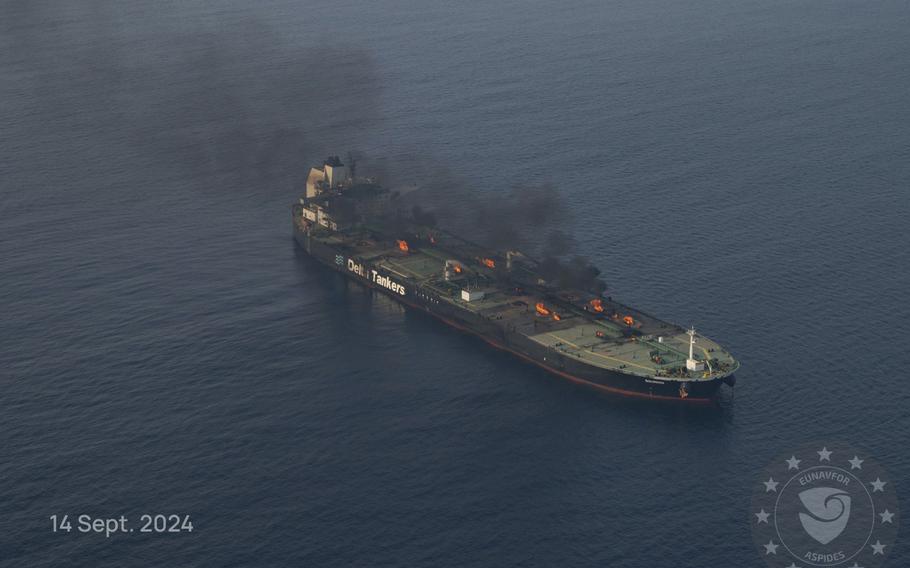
335,172
331,175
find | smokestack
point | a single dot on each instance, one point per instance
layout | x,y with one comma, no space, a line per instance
335,171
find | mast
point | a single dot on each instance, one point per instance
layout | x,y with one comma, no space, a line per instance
691,363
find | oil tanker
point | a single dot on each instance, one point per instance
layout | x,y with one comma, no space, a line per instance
355,226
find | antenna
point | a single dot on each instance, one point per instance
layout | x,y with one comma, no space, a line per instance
352,164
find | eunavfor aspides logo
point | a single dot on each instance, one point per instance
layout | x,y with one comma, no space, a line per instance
824,505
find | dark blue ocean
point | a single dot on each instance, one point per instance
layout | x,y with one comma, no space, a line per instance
165,348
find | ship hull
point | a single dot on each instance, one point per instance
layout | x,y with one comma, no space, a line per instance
605,380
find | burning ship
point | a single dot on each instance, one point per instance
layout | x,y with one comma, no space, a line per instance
581,335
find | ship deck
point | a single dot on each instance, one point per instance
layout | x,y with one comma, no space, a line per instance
655,349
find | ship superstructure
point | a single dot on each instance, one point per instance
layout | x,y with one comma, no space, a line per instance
352,225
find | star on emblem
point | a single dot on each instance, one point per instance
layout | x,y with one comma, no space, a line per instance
855,565
771,485
878,548
792,463
771,548
824,454
856,463
792,565
886,516
878,485
763,516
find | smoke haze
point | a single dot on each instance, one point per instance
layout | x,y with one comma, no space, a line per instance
531,218
240,108
237,106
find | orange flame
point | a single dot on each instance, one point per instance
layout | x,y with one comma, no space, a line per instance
542,309
556,316
628,320
458,268
489,263
403,245
597,305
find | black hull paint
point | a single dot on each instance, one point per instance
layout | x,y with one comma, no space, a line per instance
566,367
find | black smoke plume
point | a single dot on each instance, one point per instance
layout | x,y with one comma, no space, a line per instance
531,218
237,108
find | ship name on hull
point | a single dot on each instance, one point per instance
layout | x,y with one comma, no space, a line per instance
376,278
